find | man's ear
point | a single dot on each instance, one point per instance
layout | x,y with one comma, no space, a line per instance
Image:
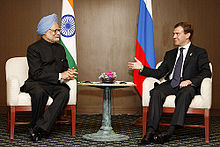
188,35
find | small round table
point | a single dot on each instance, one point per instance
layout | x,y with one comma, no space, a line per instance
106,133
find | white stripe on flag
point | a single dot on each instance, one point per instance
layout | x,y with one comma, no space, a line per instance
149,6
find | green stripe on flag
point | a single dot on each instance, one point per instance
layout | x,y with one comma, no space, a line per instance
69,58
71,61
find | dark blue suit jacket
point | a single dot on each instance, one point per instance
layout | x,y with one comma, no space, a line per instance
195,67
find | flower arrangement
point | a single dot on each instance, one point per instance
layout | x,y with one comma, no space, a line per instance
108,77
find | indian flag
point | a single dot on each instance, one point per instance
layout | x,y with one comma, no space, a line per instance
68,32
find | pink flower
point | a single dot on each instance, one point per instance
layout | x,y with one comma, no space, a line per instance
110,74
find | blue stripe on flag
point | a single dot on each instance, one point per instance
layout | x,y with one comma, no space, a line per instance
145,35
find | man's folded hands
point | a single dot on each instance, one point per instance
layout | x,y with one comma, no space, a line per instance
70,74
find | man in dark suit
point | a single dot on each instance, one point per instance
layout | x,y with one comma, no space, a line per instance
48,68
184,69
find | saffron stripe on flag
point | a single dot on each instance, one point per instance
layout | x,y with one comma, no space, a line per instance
72,4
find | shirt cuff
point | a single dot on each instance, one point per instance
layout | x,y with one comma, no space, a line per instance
142,68
60,76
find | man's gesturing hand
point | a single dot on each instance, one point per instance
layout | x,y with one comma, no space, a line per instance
135,65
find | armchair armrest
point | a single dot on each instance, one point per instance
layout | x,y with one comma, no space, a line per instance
206,91
73,90
13,89
148,84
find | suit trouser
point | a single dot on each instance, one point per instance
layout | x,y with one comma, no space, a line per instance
158,95
40,93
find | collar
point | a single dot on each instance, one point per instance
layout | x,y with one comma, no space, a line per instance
185,46
46,42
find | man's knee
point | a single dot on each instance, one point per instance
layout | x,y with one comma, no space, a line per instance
156,96
185,95
156,93
64,92
187,91
38,91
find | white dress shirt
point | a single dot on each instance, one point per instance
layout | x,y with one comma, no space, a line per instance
185,50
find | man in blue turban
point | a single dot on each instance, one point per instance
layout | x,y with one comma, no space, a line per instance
48,68
46,23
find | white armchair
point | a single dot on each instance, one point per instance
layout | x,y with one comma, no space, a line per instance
199,105
16,73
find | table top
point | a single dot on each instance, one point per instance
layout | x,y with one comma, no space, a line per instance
115,84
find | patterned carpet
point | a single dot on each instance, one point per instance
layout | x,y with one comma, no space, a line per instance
122,124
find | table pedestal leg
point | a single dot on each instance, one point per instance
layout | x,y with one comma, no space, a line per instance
106,133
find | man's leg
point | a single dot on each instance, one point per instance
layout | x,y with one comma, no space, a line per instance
39,99
60,95
158,96
183,99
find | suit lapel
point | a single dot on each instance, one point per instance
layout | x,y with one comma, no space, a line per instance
188,56
173,59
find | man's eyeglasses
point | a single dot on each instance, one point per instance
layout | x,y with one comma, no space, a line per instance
55,31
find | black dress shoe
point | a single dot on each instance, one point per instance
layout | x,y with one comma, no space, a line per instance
162,138
147,139
35,134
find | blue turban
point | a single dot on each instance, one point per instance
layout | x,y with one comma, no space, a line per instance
46,23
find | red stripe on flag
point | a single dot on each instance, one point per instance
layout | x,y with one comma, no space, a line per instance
138,79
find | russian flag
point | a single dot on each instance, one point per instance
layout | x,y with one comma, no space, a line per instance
145,41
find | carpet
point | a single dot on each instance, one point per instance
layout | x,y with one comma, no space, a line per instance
122,124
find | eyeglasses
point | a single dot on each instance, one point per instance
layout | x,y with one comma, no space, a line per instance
55,31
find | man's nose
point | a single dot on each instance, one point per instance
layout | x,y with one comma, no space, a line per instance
58,32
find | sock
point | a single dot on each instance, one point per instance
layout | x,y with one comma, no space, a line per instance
150,130
37,129
171,129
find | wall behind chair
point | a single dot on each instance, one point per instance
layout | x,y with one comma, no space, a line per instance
106,36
